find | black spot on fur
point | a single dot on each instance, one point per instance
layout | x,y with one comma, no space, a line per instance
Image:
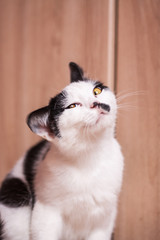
104,106
100,85
14,193
1,229
112,238
56,107
36,154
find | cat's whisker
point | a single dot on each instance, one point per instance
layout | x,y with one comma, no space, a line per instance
122,93
126,105
84,132
129,94
125,108
119,114
87,134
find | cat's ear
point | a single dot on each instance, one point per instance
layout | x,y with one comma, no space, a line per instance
76,72
38,123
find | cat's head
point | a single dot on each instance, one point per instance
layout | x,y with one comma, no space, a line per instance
83,111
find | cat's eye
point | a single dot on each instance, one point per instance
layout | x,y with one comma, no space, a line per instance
97,90
73,105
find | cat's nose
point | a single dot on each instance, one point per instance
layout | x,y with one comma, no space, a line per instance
103,106
95,105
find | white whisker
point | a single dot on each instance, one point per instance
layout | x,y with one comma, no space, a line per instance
125,105
129,94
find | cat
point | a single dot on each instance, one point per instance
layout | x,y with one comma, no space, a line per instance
66,187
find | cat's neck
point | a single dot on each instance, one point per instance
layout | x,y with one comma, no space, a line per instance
74,148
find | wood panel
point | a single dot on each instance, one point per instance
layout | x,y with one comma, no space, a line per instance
139,128
37,40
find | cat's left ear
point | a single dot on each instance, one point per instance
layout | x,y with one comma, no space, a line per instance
76,72
39,124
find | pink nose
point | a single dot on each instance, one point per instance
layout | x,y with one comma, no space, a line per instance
95,105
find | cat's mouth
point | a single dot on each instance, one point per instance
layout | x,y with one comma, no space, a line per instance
101,115
98,116
98,120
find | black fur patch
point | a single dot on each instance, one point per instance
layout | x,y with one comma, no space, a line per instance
14,193
112,238
104,106
36,154
35,120
1,229
100,85
56,107
76,72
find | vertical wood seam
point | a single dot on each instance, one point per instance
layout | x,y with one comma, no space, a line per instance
116,46
112,44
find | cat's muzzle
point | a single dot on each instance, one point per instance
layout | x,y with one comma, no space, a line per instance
103,106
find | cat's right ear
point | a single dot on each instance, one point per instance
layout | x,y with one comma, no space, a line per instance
38,123
76,72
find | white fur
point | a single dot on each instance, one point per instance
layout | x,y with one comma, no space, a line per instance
82,174
78,184
17,171
16,222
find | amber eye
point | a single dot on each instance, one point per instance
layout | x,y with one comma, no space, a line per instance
97,90
73,105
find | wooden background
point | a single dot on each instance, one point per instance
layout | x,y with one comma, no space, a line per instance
37,40
138,69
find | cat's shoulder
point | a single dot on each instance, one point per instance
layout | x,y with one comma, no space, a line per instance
17,187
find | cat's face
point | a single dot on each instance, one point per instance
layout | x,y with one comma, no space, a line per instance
83,109
87,104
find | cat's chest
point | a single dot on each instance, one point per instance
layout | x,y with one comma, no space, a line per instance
59,183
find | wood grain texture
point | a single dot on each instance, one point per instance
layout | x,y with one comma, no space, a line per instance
37,40
139,128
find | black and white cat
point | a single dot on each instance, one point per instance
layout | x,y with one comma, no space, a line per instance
71,194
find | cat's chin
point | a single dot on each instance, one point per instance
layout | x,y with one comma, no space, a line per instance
100,118
99,123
